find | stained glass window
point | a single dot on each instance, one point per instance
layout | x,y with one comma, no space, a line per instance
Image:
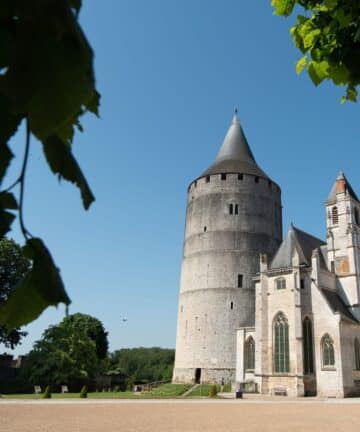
249,354
327,348
281,344
308,347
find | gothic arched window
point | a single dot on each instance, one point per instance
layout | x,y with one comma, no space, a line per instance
335,215
327,349
357,354
281,343
249,354
308,346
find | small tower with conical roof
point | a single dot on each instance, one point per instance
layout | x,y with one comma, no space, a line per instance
343,239
233,215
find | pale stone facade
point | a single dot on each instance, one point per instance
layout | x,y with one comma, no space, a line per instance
268,315
314,284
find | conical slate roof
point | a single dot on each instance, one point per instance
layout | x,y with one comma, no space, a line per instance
304,244
235,155
348,189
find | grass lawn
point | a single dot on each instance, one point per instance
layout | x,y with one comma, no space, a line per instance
164,391
170,390
201,390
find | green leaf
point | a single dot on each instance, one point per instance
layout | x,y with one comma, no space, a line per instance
330,4
343,18
310,38
61,161
40,288
7,202
339,74
351,94
9,125
318,71
51,77
301,64
94,103
283,7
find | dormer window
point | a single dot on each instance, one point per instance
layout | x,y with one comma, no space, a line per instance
280,283
335,215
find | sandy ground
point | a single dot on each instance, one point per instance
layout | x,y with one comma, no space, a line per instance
179,416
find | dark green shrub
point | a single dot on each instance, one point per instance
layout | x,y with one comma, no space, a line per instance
130,384
83,393
213,390
47,393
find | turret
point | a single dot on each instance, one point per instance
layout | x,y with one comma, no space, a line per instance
343,239
233,215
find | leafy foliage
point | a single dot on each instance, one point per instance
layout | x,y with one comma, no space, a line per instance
32,295
46,80
65,354
13,267
329,37
213,390
144,364
84,392
93,328
47,393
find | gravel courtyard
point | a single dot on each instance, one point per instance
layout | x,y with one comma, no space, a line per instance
179,416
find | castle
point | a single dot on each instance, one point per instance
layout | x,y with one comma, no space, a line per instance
267,314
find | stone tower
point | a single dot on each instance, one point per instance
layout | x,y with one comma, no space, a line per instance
343,239
233,215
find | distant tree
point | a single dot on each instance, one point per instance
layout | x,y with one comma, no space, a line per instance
13,267
93,328
328,34
67,352
144,364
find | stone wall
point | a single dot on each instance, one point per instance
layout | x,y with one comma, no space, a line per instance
218,247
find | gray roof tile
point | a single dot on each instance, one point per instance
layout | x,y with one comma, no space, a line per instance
303,242
235,155
337,304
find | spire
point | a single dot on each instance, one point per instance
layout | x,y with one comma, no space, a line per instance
341,185
235,155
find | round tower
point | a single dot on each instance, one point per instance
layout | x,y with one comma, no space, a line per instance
233,215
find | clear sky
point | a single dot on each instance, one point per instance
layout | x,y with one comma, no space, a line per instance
170,74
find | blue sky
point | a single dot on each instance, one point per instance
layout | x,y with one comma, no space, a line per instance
170,74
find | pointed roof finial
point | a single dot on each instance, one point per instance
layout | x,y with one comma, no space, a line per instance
235,155
340,175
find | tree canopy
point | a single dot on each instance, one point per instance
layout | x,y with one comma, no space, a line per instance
13,267
46,82
67,353
144,364
328,35
92,327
